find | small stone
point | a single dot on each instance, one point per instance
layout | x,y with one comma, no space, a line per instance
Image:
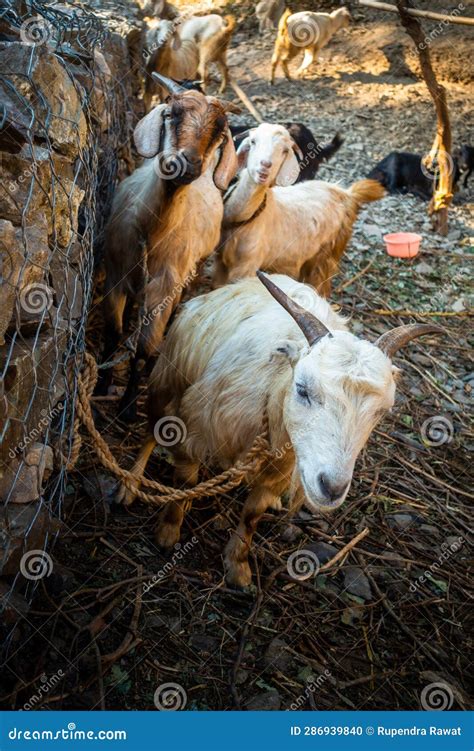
264,702
458,305
322,550
423,268
372,230
204,643
291,533
430,530
277,656
402,521
356,582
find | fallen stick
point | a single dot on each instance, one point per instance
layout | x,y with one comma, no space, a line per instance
354,278
245,100
345,549
420,13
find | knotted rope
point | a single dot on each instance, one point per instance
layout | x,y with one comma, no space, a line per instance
230,478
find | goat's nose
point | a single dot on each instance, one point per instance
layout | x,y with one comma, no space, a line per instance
330,489
265,163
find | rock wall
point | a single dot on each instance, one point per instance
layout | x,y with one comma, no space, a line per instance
64,138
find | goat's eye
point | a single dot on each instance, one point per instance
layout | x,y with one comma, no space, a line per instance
252,141
302,393
285,151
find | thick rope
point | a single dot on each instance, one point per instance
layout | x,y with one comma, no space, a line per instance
256,457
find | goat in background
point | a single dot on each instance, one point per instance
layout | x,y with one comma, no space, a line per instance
308,32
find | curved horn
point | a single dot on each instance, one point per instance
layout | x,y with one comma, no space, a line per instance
312,327
171,86
393,340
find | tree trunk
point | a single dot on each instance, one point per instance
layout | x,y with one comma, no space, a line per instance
441,148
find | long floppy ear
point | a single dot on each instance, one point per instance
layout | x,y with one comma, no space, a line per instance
243,152
175,41
148,133
228,164
289,170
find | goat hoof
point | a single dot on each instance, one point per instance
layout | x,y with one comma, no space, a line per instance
238,573
167,535
124,496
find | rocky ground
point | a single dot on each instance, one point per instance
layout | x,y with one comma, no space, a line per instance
365,632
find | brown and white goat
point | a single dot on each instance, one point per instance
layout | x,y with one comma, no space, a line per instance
185,49
166,217
271,224
306,31
235,354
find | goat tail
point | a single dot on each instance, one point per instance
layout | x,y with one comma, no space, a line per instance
282,24
327,152
217,45
230,23
366,191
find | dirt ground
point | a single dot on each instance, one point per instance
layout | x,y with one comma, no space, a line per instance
371,630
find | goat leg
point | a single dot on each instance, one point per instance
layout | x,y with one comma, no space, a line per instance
238,571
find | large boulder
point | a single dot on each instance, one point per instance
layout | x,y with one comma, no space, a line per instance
46,103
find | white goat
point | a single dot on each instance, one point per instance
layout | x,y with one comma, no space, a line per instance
269,13
234,354
170,56
269,223
212,34
165,218
306,31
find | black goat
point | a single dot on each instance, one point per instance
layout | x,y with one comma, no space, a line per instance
314,154
466,162
402,172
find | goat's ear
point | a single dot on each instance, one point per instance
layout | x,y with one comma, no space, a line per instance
289,170
175,41
227,166
147,134
287,350
243,152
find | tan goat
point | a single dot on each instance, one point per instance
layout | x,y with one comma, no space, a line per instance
308,32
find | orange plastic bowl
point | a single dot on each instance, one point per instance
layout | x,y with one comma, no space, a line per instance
402,244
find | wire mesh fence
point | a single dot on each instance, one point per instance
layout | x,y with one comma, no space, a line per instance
61,139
